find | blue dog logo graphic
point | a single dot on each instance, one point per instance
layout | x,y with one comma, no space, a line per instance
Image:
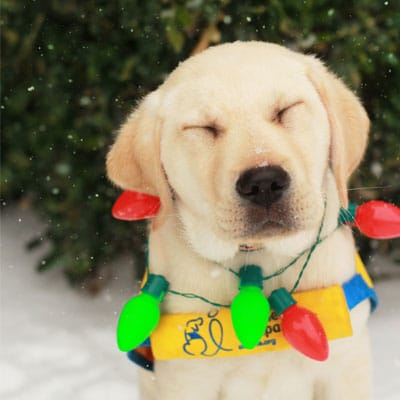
204,337
195,344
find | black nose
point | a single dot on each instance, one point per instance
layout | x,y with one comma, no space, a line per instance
264,185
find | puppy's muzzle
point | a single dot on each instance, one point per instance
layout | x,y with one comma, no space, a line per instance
263,186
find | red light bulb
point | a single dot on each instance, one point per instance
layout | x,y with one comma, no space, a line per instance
134,206
375,219
303,330
300,327
378,219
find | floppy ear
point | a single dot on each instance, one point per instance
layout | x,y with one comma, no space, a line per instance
349,124
133,162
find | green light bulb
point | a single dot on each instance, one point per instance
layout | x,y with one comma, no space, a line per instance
250,308
141,314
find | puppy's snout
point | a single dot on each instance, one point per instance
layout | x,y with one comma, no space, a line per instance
263,185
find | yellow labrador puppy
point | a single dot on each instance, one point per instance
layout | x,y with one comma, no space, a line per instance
245,143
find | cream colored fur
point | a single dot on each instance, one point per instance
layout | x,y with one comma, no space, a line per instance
188,142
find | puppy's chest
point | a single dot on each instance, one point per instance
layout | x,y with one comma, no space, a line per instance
201,286
201,289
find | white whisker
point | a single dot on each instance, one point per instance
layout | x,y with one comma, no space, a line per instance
370,187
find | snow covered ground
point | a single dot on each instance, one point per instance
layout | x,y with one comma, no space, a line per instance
59,344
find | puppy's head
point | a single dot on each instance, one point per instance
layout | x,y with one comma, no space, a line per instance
238,141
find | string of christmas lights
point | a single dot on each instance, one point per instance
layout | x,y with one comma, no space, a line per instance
250,309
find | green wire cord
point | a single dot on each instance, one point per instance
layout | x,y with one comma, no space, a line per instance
196,296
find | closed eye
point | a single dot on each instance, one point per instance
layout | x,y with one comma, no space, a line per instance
280,113
212,129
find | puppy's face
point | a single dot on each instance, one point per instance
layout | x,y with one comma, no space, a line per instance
241,140
245,143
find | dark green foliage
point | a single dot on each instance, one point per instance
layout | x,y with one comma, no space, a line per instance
72,70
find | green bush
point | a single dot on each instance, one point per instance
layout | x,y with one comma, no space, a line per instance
72,70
